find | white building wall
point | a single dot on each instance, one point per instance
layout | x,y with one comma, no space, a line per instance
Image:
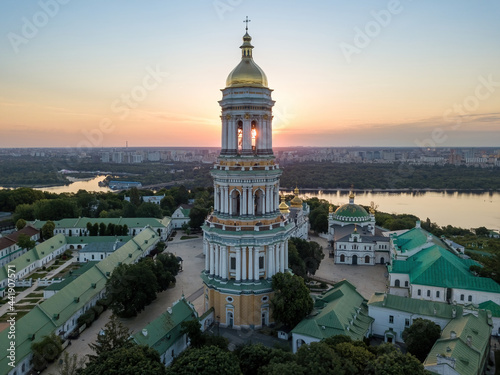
428,293
474,296
299,340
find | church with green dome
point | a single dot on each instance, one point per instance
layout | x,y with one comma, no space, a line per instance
354,236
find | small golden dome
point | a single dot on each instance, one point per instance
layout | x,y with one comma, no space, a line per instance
247,72
283,206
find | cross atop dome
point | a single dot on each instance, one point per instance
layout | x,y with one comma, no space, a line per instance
247,21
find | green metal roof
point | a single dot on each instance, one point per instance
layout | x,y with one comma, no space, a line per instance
76,240
71,276
415,306
351,210
414,238
56,310
491,306
435,266
81,222
37,323
40,251
165,330
469,358
339,311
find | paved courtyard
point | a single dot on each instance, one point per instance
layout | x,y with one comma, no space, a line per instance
367,279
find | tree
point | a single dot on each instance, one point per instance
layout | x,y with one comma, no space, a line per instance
354,358
20,224
149,209
130,359
24,211
295,262
318,358
114,335
197,216
25,242
291,302
310,252
481,231
70,364
207,360
390,361
192,328
135,197
46,351
420,337
48,229
291,368
252,357
102,229
168,204
130,288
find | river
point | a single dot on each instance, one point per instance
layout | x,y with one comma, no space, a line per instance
466,210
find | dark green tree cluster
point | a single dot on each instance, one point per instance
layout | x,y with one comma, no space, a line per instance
304,257
395,221
291,302
336,355
318,217
25,242
102,229
420,337
134,286
202,206
46,351
327,175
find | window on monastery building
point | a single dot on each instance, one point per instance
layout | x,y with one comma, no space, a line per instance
407,322
342,258
233,263
367,259
391,319
470,298
462,297
261,262
428,293
419,292
437,293
406,284
397,283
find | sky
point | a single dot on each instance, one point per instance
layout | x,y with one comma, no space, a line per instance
100,73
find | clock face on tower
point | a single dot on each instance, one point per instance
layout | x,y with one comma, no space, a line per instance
246,235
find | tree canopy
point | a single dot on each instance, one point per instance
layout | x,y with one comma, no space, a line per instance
420,337
291,302
207,360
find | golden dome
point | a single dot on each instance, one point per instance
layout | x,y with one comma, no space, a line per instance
296,201
283,206
247,72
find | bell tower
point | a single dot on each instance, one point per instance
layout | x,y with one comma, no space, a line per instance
246,235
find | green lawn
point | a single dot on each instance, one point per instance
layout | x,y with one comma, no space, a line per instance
33,295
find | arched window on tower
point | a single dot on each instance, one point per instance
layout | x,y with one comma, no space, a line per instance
240,136
254,135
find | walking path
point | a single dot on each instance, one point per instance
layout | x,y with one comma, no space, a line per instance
34,285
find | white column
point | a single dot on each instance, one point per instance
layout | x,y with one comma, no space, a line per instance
269,137
282,257
256,264
271,199
223,135
250,263
238,264
270,263
212,259
286,254
229,204
216,200
251,208
224,262
268,202
243,205
276,197
247,137
244,263
207,255
217,257
232,144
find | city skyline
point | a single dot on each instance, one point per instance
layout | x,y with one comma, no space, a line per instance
377,73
